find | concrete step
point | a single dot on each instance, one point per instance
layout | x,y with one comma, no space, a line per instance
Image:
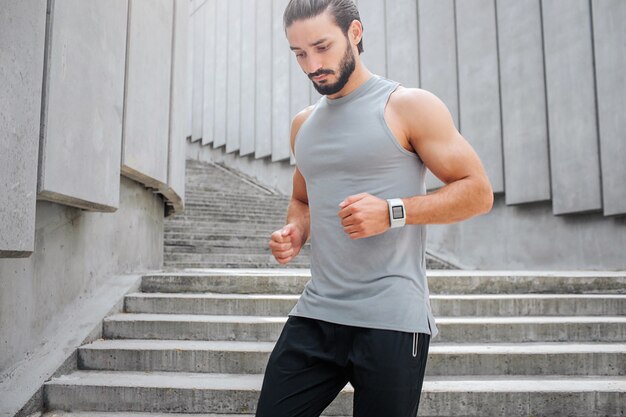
452,329
252,223
443,359
231,258
236,280
57,413
225,248
509,396
442,305
177,266
292,281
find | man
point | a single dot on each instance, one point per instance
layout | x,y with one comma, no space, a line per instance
358,192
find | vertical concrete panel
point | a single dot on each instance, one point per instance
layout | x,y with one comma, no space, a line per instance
189,103
401,33
198,17
438,66
280,84
479,95
609,35
524,117
147,107
221,72
574,153
22,35
263,89
372,14
234,76
178,100
84,81
208,112
248,76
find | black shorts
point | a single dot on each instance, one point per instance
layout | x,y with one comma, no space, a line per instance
314,359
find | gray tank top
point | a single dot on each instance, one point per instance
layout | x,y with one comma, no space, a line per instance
345,147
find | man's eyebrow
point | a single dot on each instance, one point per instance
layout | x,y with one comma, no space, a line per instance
293,48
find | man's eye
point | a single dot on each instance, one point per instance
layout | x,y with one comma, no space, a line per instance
322,48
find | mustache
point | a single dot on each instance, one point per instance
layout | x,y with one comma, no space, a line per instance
320,72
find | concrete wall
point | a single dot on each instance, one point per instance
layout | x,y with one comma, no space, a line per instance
75,253
93,127
548,137
22,34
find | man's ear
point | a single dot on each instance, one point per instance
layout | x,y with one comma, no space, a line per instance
355,31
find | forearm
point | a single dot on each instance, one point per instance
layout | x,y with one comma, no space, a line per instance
299,215
454,202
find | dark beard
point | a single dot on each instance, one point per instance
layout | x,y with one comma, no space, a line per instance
346,68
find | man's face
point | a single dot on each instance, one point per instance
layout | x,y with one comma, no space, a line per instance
323,52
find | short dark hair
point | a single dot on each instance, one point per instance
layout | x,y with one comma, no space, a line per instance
344,12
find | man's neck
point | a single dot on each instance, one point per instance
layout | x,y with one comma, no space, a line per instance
358,77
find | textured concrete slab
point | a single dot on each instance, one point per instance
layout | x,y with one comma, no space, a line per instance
249,76
263,89
443,358
22,35
175,189
453,329
524,113
221,73
479,95
233,103
191,392
609,32
573,129
198,18
147,106
281,122
372,14
210,50
402,42
84,100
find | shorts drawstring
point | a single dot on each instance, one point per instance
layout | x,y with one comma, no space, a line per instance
414,344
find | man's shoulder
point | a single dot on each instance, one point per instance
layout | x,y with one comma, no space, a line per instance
412,97
302,115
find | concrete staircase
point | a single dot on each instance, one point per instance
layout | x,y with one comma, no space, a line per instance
196,341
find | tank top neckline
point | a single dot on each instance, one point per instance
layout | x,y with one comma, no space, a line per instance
357,92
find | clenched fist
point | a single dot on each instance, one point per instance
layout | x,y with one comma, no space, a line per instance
286,243
363,215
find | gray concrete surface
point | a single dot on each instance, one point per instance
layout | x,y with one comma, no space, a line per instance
22,33
175,189
479,91
208,102
524,115
76,252
608,30
147,96
281,55
233,103
531,237
248,67
375,46
84,100
263,89
221,74
198,27
402,42
573,128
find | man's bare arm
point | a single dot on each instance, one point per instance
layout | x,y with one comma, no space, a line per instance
431,132
421,118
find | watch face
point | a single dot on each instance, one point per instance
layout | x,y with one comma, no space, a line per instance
398,212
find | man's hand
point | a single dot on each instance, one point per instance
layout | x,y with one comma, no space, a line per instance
364,215
286,243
